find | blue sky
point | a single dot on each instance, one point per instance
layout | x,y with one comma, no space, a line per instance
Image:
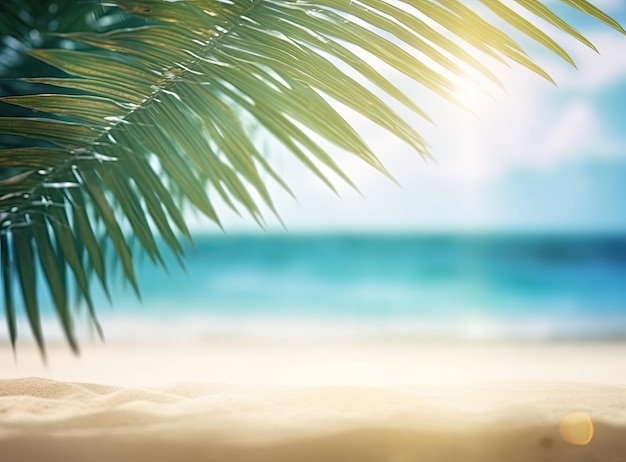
536,158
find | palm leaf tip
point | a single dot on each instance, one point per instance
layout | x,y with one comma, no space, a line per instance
102,143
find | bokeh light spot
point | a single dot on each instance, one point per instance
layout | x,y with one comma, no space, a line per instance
577,428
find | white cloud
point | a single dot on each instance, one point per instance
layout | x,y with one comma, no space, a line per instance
540,136
575,131
594,71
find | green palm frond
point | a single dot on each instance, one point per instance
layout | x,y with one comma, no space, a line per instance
126,110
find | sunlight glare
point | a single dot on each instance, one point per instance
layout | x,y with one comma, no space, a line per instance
469,93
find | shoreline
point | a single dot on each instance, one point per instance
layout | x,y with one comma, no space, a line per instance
309,363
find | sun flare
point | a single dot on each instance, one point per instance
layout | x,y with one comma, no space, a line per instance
469,93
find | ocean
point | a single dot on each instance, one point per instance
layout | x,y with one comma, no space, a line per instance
392,287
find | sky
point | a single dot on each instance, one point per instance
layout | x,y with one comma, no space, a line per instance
534,158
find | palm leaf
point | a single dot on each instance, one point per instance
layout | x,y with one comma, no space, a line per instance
129,110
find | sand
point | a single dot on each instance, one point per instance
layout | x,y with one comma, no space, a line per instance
263,401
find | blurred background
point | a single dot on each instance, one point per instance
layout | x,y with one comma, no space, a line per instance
516,232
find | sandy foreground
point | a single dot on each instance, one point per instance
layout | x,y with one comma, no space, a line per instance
290,401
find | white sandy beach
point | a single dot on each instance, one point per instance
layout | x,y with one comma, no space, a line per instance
298,401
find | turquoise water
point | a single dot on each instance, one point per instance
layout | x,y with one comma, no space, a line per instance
417,287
